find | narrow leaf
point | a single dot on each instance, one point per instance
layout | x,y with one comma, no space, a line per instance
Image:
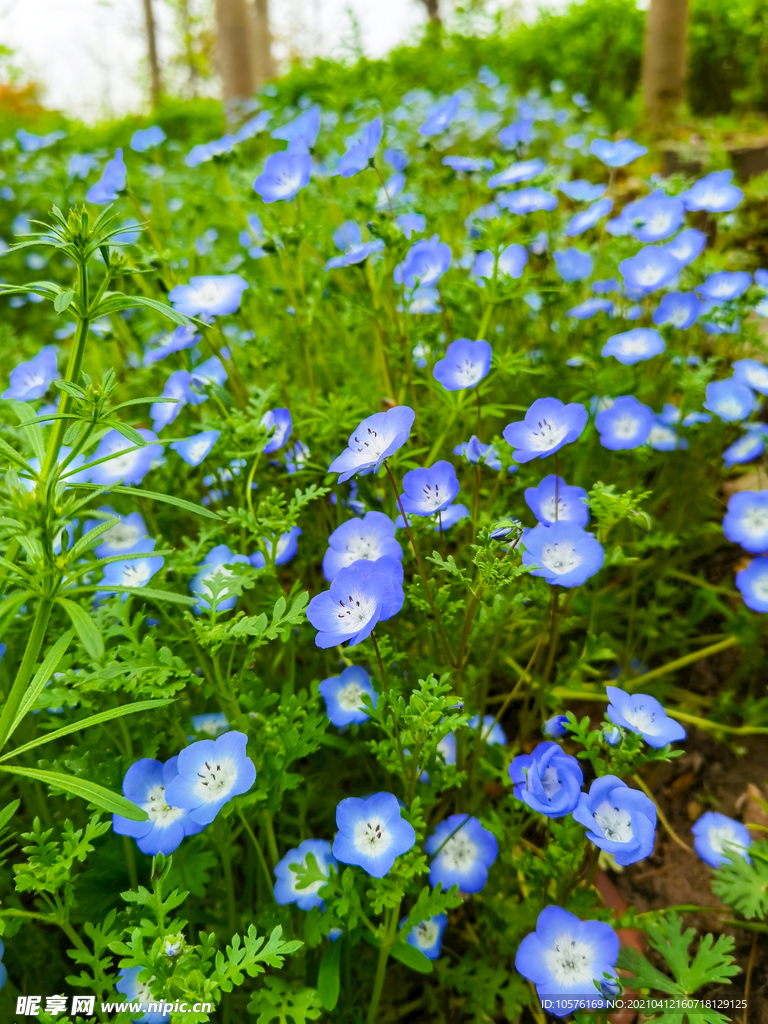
103,798
328,976
412,957
8,812
43,674
63,300
169,499
86,629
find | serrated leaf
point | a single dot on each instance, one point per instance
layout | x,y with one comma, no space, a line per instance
63,300
744,886
106,799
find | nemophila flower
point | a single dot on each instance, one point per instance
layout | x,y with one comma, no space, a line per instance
753,584
619,820
625,424
213,723
253,126
714,193
527,200
147,138
746,521
427,491
634,346
281,551
440,116
464,365
424,301
32,379
616,154
123,537
32,143
207,374
692,418
359,156
644,715
366,539
464,851
136,991
678,309
412,223
573,264
287,877
467,164
589,308
391,188
211,295
206,151
752,373
556,727
284,175
548,425
178,388
376,438
724,286
522,171
664,438
181,338
519,133
553,500
424,264
729,400
446,519
349,238
302,131
565,957
657,216
713,327
547,780
80,165
372,834
582,191
396,158
586,219
652,268
210,773
124,466
747,448
475,451
279,424
213,565
427,936
146,783
359,597
491,731
511,263
605,287
565,554
687,246
194,449
134,571
720,840
112,182
342,695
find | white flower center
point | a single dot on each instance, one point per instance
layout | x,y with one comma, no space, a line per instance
551,512
570,964
634,346
217,778
361,548
625,426
426,934
650,274
121,464
372,837
431,495
136,574
208,294
661,435
287,181
547,435
32,378
468,372
760,587
755,521
560,557
659,221
616,824
355,612
730,408
158,810
723,840
757,378
679,316
121,536
550,782
371,442
197,450
459,853
349,697
642,718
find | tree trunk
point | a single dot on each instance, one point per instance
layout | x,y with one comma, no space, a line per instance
664,59
433,10
261,42
155,81
233,24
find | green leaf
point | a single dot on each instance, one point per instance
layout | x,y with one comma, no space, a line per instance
146,592
113,302
33,432
8,812
169,499
13,455
129,432
43,674
86,628
412,957
106,799
328,976
63,300
744,886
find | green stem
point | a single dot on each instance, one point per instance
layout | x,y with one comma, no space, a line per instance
259,853
381,966
229,882
23,676
269,828
130,860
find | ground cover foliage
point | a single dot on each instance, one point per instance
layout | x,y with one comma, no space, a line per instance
448,300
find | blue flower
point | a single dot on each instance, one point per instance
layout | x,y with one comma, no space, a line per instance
626,424
146,783
206,374
301,133
206,151
634,346
644,715
573,264
280,552
467,164
581,191
359,156
369,538
565,554
194,449
123,538
214,565
427,491
747,448
137,991
424,301
412,223
427,936
548,425
372,834
547,780
664,438
652,268
181,338
279,424
446,519
565,957
396,158
376,438
527,200
753,584
213,723
392,187
253,126
424,264
719,839
616,154
464,365
714,193
724,286
511,262
475,451
679,309
32,379
491,731
128,467
464,851
605,287
692,418
687,246
80,165
440,116
147,138
212,295
31,143
342,695
517,134
746,521
729,400
752,373
349,238
111,183
586,219
359,597
176,387
135,571
587,309
285,886
523,171
571,506
657,216
284,175
210,773
556,727
619,820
